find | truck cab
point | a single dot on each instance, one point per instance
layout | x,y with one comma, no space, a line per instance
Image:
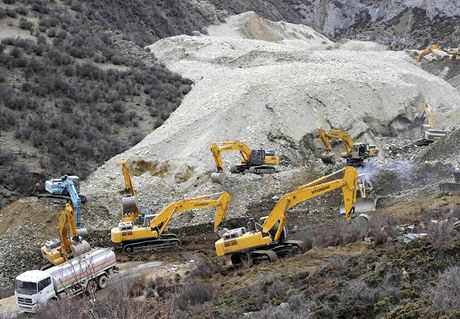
33,289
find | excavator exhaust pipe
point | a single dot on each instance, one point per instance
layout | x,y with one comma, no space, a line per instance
218,178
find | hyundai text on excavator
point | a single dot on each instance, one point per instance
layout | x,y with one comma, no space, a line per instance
151,232
254,161
355,153
267,240
429,131
57,252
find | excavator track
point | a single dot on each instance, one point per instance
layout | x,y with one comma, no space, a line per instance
263,169
163,242
283,249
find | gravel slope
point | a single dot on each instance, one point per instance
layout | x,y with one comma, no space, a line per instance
271,85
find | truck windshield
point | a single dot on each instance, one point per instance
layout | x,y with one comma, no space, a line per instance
26,287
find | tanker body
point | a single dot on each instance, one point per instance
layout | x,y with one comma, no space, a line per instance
84,273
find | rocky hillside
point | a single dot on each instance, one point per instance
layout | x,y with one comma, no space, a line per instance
48,48
400,24
272,85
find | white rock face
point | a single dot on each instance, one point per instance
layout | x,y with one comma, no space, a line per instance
271,84
412,22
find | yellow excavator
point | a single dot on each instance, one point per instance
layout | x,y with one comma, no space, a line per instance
429,131
151,232
253,161
451,53
355,153
57,252
266,240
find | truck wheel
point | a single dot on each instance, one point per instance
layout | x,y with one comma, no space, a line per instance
91,287
102,281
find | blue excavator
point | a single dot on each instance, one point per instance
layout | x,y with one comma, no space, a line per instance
67,187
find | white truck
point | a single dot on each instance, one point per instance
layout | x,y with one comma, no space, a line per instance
84,273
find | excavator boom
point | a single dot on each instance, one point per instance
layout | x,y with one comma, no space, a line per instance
347,183
221,204
325,135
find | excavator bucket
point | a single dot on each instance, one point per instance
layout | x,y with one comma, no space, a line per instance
451,188
361,224
218,178
328,158
362,205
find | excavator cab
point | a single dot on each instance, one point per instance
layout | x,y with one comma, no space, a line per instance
257,157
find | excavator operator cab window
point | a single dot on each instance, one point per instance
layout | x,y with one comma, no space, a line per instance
257,157
362,149
234,233
144,212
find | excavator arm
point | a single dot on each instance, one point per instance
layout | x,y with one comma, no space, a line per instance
221,203
316,188
325,135
129,187
216,150
67,222
76,201
131,209
427,110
